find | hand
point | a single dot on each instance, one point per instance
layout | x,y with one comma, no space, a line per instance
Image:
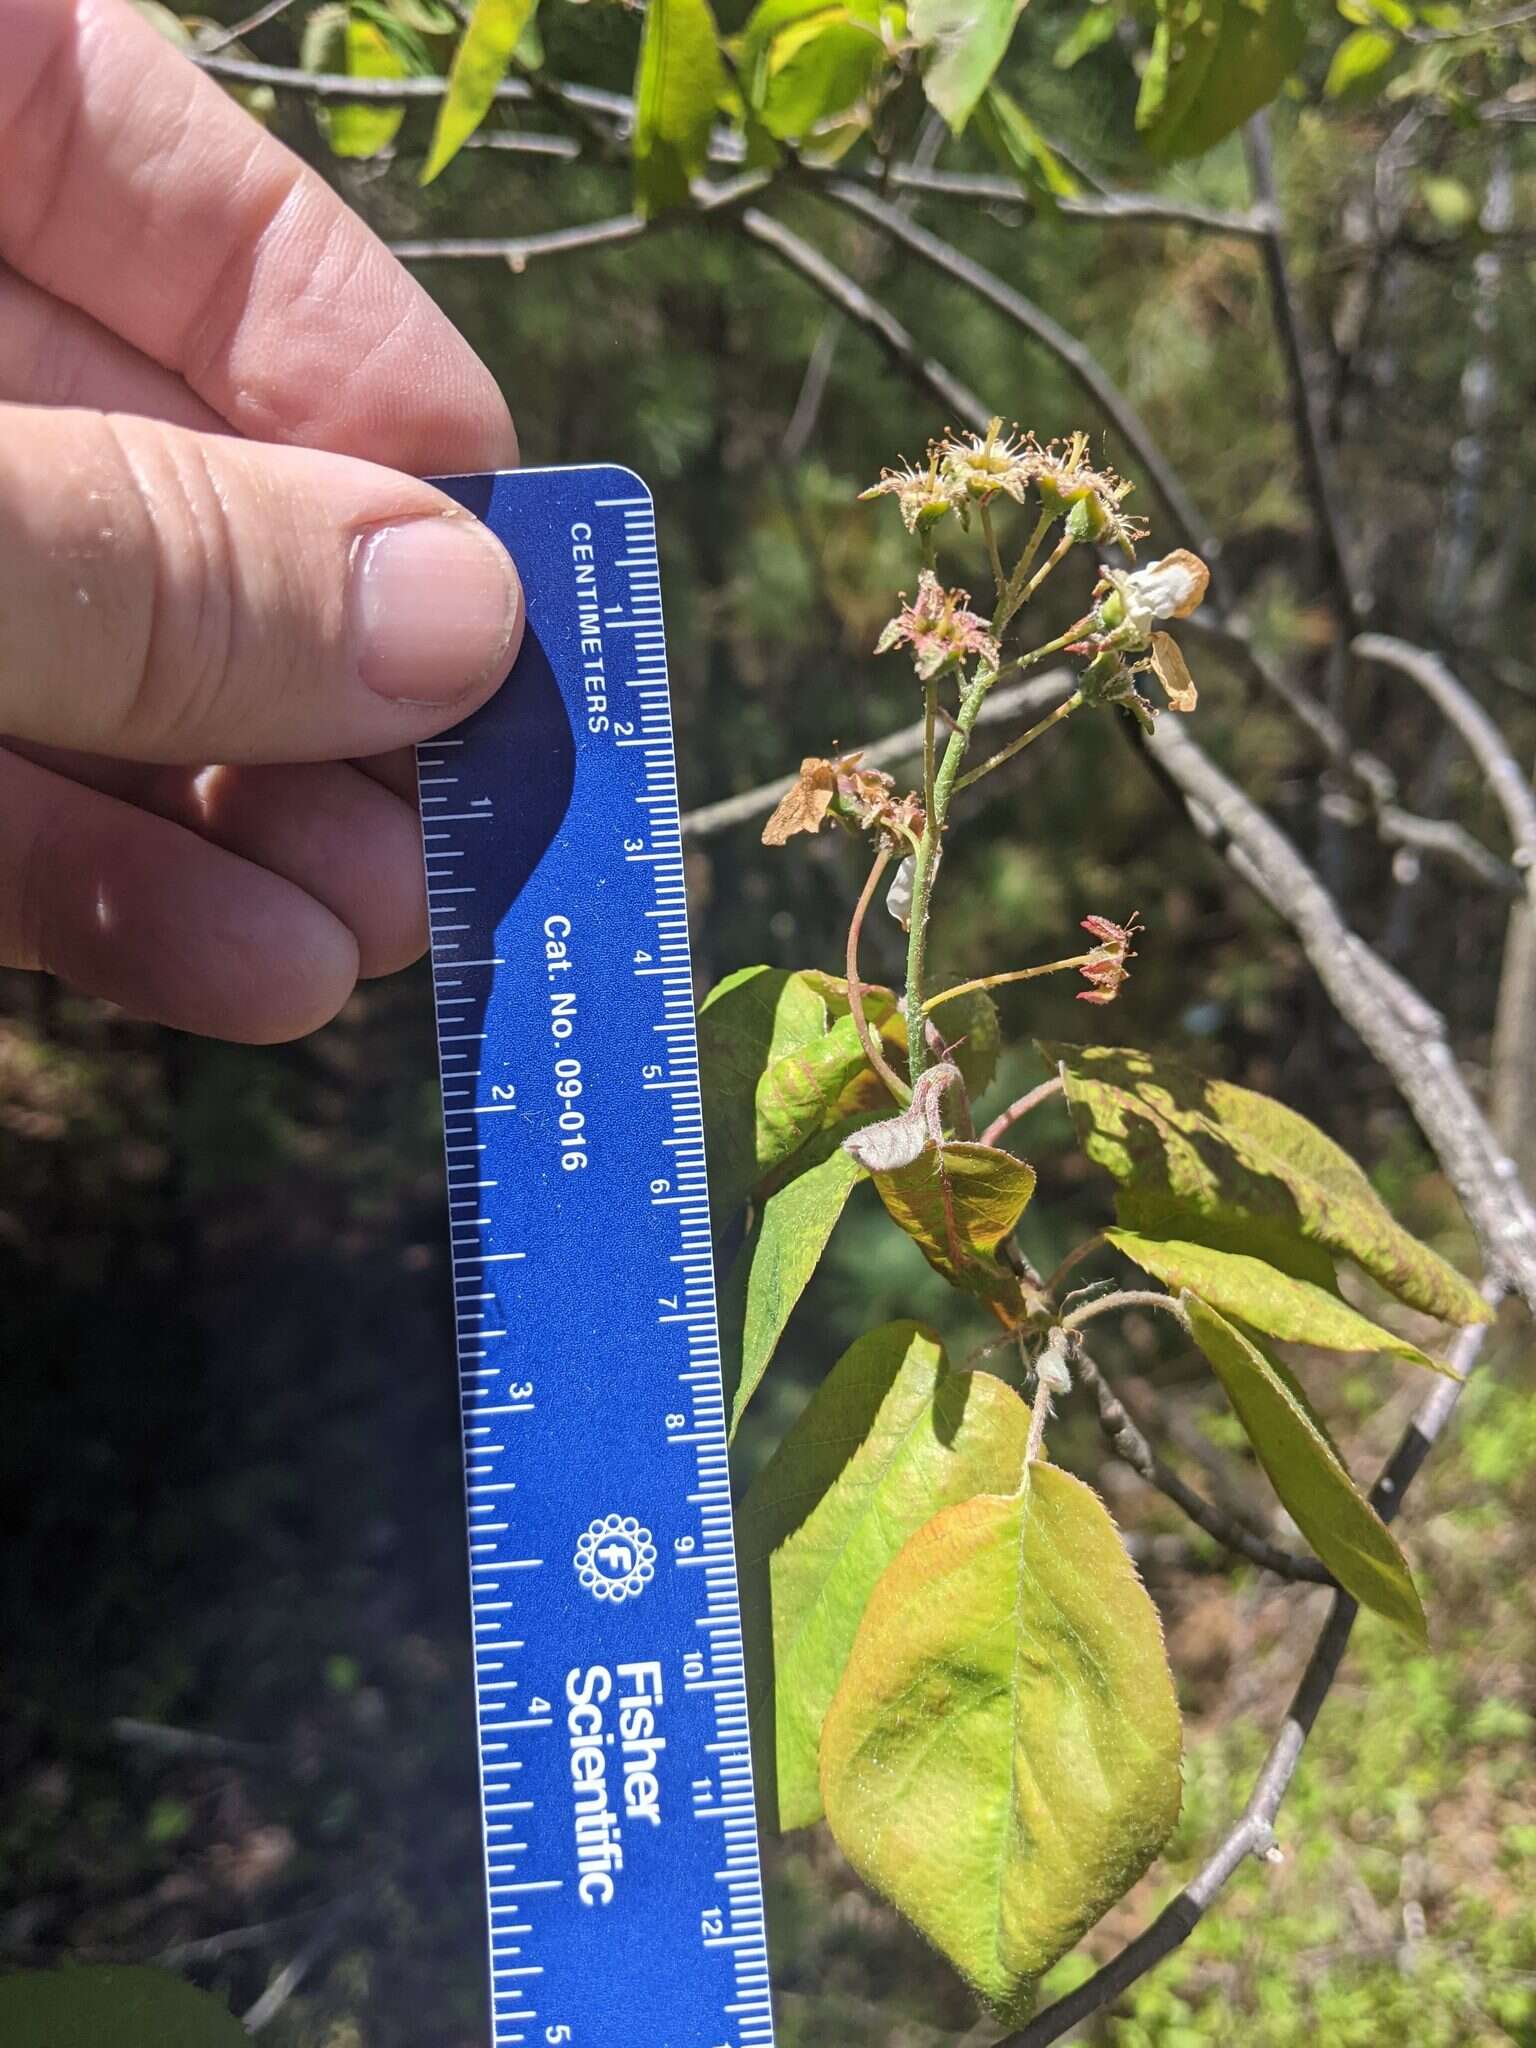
198,346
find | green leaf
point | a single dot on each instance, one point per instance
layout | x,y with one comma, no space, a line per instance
1216,1164
1451,203
1094,27
1019,147
959,1201
479,65
1001,1759
1307,1472
966,41
1260,1295
1212,64
1358,61
774,1265
889,1437
803,62
780,1062
677,87
112,2007
340,38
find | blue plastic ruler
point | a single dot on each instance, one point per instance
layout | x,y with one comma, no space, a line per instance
621,1861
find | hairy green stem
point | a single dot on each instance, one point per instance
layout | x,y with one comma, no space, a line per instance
927,855
1134,1297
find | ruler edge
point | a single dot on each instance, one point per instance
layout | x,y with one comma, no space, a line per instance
643,490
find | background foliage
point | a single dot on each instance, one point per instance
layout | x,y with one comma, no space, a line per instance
229,1494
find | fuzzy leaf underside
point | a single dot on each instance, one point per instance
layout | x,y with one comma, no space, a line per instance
1001,1759
889,1437
1210,1163
1307,1472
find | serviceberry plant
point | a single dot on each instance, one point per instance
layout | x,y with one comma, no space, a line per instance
952,1659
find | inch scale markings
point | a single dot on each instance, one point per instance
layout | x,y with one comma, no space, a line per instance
624,1898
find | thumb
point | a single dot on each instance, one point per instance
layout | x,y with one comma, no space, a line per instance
172,596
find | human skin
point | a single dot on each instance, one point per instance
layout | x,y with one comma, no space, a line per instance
228,609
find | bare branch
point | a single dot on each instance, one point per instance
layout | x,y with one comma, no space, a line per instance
904,745
1082,364
876,319
1253,1834
1016,1111
338,85
518,251
1501,771
1126,1440
1405,1033
1107,206
222,38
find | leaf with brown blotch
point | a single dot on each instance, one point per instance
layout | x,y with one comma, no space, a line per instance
804,805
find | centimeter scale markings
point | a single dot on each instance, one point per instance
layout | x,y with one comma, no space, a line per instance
624,1896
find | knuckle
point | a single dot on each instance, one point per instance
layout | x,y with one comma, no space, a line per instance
186,646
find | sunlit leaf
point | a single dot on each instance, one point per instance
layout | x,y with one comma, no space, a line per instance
677,87
479,65
889,1437
775,1263
966,40
780,1061
958,1202
1212,64
1001,1758
803,62
1358,61
106,2006
1020,148
1261,1295
341,38
1216,1164
1307,1472
1094,27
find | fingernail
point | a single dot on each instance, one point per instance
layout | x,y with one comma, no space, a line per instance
433,607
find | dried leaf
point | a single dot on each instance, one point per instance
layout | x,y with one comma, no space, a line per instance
1169,666
804,805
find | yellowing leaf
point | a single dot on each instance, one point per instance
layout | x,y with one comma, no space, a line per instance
1307,1472
966,40
1001,1758
804,62
774,1265
890,1436
479,65
959,1201
677,88
1260,1295
337,39
1215,1164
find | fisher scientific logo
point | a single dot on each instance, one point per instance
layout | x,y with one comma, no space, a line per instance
615,1558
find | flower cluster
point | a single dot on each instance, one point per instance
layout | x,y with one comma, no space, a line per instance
1105,969
963,470
863,799
939,629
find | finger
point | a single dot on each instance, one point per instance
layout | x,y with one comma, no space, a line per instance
167,596
127,906
337,834
396,772
138,191
53,354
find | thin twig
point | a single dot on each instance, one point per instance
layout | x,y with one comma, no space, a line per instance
1126,1440
222,38
1253,1833
1020,1109
900,1093
1501,771
903,745
518,251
